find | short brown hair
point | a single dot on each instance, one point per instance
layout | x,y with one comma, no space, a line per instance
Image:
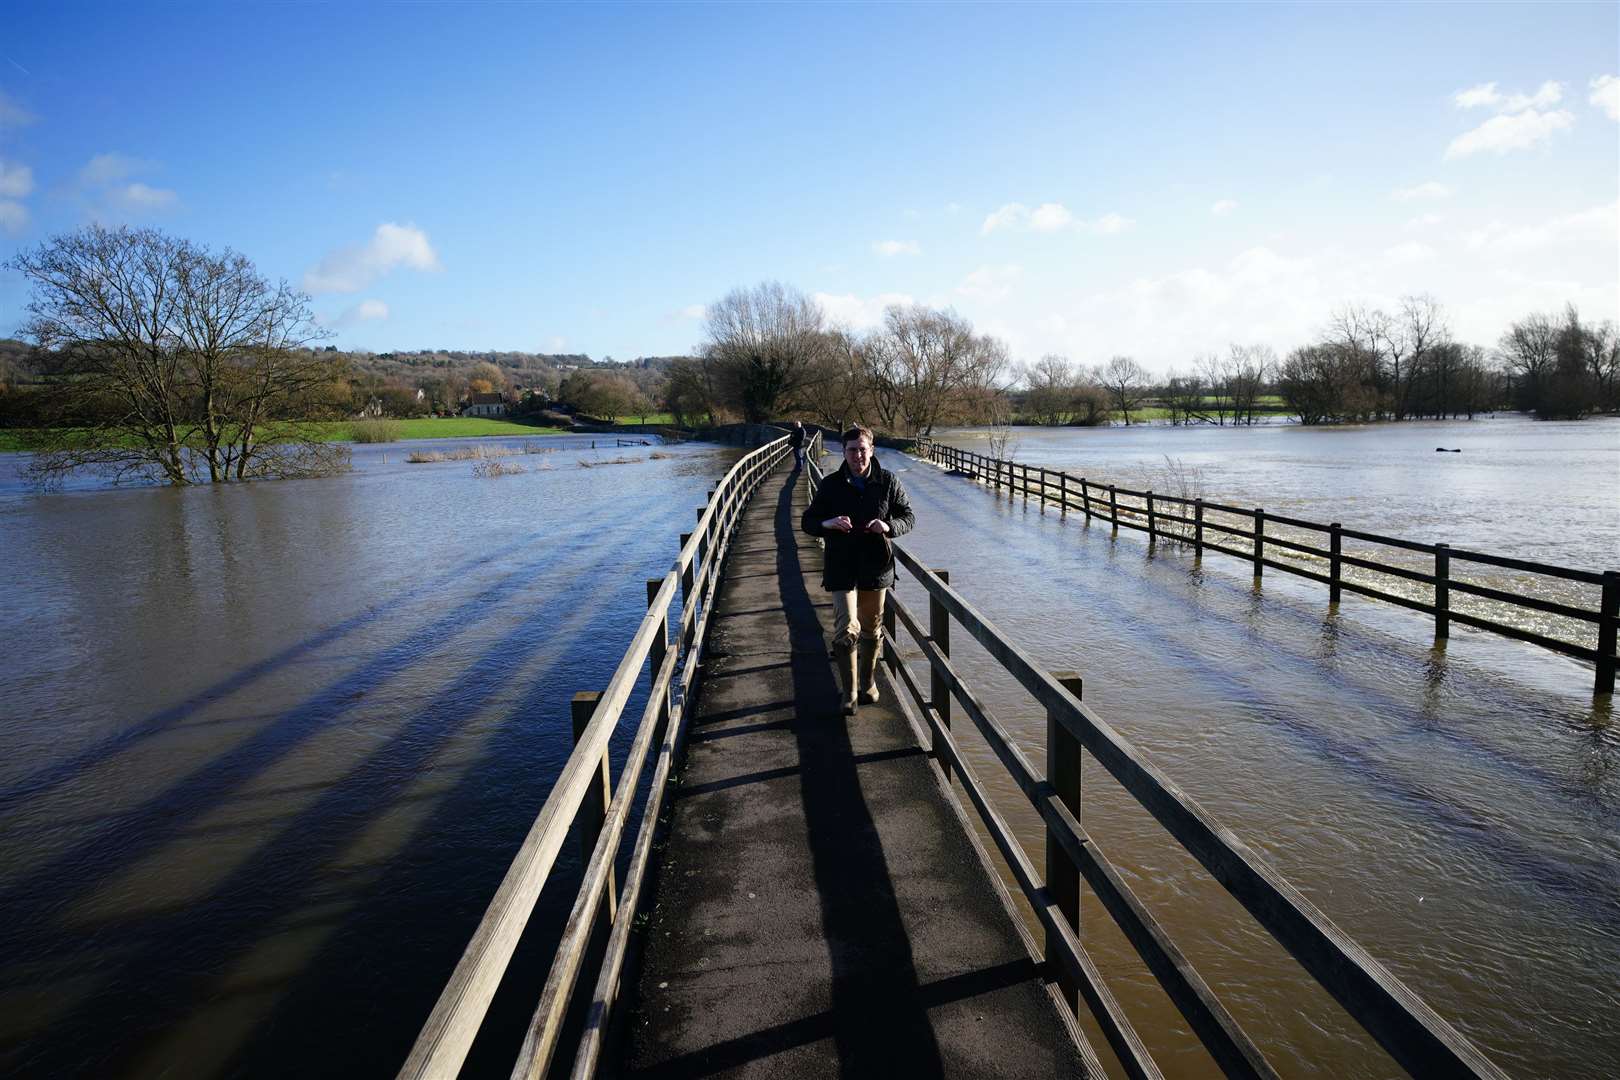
858,431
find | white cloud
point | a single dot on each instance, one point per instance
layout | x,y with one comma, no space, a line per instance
104,169
1599,223
1050,218
1424,221
12,114
1505,133
1109,224
138,196
1485,95
1010,216
1606,95
990,282
1223,207
13,216
391,246
364,311
1431,190
1476,96
891,248
15,180
953,208
858,312
1412,252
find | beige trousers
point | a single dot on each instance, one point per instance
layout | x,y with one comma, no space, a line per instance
859,611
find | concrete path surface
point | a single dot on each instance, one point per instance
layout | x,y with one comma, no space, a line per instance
819,908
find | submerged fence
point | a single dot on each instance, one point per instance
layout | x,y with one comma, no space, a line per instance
1243,534
585,793
1412,1033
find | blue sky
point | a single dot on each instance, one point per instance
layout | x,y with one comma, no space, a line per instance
1154,180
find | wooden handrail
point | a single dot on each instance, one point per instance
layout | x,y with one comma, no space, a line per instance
457,1016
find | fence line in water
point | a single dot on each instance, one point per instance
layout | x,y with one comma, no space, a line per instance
1146,512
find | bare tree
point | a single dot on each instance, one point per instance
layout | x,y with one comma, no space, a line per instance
839,383
1529,349
1184,396
1126,382
1051,382
174,362
762,346
927,364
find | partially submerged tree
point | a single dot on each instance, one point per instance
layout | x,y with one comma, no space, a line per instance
1126,382
173,362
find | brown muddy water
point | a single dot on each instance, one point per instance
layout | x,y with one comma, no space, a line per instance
268,749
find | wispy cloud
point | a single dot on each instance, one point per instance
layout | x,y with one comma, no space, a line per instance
1050,218
363,312
1600,223
990,282
353,268
1222,207
16,181
1508,132
859,312
1424,221
890,248
13,216
1606,95
1486,96
1402,254
1521,121
689,313
103,178
12,114
1431,190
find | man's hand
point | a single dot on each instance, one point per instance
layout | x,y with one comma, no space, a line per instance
878,525
841,523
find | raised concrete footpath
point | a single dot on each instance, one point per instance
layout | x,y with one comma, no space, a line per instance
819,907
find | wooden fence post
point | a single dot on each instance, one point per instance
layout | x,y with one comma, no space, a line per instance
1442,591
1198,526
1153,532
686,590
1062,875
1608,614
655,659
939,630
1259,541
1334,545
593,808
1113,506
1085,497
1063,494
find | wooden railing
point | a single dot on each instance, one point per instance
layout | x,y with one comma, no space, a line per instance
1195,521
1413,1034
585,792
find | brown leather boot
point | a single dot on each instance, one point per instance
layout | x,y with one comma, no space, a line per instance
846,671
866,670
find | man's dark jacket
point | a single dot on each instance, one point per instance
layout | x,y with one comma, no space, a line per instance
859,559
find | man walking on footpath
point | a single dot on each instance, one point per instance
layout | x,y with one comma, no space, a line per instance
857,510
797,440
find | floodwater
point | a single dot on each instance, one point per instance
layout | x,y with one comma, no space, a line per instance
1456,809
268,749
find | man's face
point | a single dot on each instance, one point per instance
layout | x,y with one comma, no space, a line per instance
859,455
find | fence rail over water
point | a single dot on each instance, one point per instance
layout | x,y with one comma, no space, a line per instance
1191,520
